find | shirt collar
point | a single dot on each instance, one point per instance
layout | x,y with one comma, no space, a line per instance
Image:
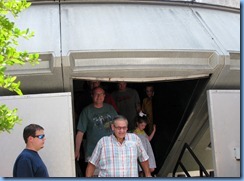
115,139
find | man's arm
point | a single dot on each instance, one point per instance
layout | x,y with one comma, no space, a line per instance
138,102
78,140
90,169
145,167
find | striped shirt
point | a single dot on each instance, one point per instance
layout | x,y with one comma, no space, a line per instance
118,160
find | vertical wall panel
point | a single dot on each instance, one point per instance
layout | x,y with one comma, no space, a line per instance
51,111
224,117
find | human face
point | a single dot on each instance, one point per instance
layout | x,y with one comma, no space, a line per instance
94,84
120,128
141,126
122,86
98,96
37,141
149,91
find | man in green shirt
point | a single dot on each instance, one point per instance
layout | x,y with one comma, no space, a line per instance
95,120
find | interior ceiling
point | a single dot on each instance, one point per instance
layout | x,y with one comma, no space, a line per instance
143,79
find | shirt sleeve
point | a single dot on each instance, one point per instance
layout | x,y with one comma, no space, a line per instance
83,121
137,98
113,111
95,157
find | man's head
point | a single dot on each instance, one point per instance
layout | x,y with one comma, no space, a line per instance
94,83
34,136
98,95
120,127
122,86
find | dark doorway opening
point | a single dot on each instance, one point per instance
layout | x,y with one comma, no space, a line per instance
173,103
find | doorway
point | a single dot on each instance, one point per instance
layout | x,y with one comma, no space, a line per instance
174,101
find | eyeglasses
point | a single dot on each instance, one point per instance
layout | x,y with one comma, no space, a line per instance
120,128
96,94
40,136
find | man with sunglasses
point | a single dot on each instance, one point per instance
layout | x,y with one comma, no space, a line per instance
117,155
29,163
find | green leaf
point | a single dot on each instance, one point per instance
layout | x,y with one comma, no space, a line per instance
9,36
8,118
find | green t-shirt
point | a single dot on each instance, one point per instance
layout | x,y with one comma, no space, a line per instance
96,123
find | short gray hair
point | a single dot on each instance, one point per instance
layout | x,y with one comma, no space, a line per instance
120,117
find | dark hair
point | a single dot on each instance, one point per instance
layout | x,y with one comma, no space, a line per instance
30,130
142,119
149,85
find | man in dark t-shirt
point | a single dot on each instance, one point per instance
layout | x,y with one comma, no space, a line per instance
128,102
29,163
94,121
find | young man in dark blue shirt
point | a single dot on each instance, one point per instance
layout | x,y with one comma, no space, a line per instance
29,163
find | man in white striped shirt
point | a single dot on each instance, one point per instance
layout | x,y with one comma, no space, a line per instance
117,155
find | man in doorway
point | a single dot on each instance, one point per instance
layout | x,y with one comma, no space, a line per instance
117,155
95,120
108,98
128,102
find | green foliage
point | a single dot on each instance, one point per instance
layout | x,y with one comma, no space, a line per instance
9,35
8,118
